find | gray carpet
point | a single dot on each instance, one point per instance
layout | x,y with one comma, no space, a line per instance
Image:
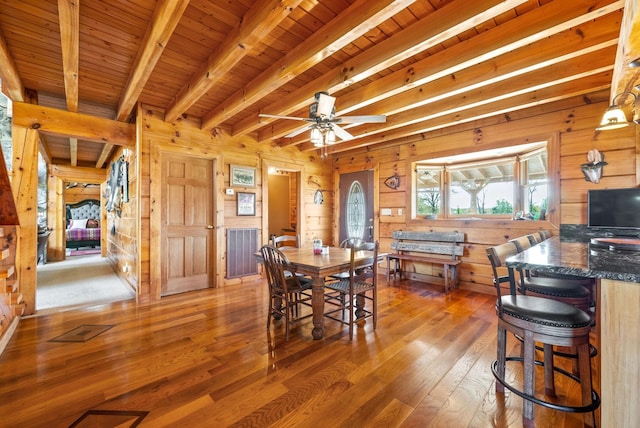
79,281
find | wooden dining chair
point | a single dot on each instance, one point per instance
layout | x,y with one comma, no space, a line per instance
287,293
354,292
538,320
356,243
285,241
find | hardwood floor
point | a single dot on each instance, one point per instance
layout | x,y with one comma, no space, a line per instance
205,359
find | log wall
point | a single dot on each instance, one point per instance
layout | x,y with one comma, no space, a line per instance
571,131
185,137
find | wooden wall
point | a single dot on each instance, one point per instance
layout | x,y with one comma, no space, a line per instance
570,127
121,229
185,137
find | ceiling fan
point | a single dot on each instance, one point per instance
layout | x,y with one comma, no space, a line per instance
324,124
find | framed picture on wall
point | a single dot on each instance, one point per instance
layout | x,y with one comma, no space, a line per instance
246,203
242,176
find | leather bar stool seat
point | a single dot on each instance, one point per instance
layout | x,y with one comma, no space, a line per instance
534,320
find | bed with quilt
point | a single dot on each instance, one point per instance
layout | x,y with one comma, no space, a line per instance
83,224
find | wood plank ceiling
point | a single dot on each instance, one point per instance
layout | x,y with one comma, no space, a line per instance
426,64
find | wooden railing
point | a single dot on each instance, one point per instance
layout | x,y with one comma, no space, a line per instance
11,303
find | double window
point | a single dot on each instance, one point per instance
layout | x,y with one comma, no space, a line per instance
505,183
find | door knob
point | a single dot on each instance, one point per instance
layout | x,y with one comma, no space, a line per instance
210,226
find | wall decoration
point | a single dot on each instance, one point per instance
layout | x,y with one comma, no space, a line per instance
242,176
593,169
392,182
318,198
246,203
117,189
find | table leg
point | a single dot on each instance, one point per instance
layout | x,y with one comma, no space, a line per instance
317,303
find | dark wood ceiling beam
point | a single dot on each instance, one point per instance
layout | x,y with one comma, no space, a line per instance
536,25
263,17
352,23
69,19
436,28
73,125
11,82
502,107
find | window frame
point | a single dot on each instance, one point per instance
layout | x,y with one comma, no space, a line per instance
553,186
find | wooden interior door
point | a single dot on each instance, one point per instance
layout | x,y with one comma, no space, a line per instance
187,224
356,206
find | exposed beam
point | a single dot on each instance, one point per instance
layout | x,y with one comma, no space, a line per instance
352,23
441,104
166,17
104,155
11,82
73,125
78,173
43,149
537,25
501,107
73,149
69,18
261,19
435,28
624,77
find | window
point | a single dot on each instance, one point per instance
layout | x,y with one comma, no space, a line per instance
355,210
507,183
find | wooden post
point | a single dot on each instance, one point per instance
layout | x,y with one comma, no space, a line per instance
24,185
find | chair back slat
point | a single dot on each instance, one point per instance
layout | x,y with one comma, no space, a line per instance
522,243
276,265
285,241
497,256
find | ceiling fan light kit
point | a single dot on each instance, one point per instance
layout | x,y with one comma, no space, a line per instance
324,123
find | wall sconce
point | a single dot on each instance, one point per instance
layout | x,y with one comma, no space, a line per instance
318,197
615,116
593,169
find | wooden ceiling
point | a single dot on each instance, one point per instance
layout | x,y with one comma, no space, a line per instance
426,64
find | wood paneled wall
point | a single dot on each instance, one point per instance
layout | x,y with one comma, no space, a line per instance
571,123
121,230
185,137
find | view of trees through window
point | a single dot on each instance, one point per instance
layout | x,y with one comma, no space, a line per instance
513,185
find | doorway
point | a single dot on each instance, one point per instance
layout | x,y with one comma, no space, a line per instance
288,209
283,205
187,223
357,206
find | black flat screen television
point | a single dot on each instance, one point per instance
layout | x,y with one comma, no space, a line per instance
614,208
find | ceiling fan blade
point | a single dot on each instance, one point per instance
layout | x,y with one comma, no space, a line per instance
276,116
297,132
325,105
376,118
341,133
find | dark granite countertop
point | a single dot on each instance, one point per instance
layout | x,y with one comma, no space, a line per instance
575,257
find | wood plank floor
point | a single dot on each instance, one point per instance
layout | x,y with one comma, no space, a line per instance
205,359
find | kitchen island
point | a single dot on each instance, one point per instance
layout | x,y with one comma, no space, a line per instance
617,268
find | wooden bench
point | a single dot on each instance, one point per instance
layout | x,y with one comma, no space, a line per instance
427,247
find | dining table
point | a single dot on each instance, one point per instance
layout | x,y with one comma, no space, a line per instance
318,267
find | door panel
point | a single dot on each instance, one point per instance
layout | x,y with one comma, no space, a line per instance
356,206
186,214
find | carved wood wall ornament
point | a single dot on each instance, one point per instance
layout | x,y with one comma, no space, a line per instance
392,182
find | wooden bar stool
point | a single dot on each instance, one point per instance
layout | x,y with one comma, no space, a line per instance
539,320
